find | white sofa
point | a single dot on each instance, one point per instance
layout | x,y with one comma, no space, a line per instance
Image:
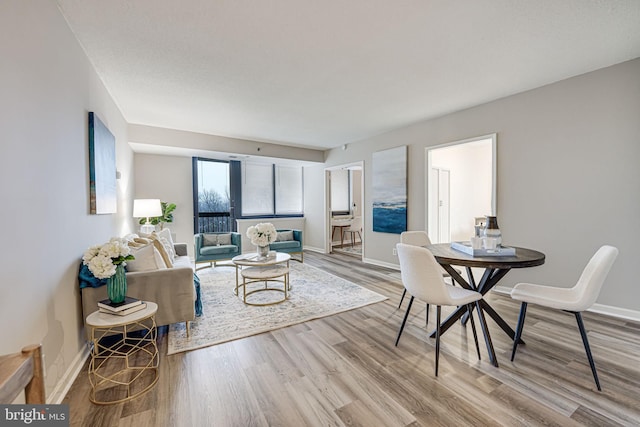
171,288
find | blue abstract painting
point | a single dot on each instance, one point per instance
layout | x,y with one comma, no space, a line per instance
102,168
390,190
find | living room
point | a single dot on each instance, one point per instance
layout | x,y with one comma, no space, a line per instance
567,176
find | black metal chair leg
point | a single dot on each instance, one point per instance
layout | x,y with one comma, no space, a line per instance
427,321
406,315
402,298
437,337
585,341
473,328
516,339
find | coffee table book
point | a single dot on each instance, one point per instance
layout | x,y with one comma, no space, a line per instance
129,310
128,302
467,249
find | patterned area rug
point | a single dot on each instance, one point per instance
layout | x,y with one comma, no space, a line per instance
313,294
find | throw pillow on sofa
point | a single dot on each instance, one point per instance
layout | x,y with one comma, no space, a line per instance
147,258
166,256
165,233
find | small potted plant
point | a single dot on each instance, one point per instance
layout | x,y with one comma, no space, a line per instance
167,215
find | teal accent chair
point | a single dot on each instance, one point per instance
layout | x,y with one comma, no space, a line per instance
293,246
206,251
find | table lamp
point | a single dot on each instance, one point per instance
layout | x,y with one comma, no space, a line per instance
146,208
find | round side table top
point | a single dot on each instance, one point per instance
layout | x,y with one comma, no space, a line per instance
98,319
252,259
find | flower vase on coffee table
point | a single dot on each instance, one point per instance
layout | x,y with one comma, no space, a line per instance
263,252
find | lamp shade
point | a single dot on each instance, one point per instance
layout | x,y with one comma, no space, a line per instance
145,208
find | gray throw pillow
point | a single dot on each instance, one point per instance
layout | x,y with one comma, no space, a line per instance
284,236
224,239
209,240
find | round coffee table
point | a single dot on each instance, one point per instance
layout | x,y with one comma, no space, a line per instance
253,269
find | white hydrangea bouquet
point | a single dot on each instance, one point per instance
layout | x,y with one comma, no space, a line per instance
103,260
262,234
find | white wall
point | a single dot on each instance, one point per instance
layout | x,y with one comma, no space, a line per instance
568,175
169,179
48,88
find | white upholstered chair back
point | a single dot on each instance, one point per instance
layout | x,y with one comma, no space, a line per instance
356,225
415,238
592,278
422,275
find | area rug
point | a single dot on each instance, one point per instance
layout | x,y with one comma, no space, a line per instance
314,294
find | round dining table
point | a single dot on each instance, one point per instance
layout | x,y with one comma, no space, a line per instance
495,268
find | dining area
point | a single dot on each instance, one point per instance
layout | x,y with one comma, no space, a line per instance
458,276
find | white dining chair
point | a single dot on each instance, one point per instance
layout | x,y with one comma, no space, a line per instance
574,300
417,238
422,278
354,228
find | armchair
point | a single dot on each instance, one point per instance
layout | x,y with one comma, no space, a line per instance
213,247
289,241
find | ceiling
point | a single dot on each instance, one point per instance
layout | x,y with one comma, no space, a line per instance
320,74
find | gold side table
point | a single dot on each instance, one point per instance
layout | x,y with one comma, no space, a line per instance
127,367
270,273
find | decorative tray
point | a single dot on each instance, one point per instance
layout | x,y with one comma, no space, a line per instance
467,249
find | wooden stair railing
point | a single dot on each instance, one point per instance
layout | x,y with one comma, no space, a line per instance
22,371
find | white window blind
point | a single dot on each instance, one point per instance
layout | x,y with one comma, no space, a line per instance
257,189
289,190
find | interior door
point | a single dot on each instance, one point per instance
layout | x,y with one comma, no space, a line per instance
444,208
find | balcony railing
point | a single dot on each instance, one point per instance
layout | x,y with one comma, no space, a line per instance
213,222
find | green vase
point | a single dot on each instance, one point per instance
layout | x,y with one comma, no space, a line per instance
117,285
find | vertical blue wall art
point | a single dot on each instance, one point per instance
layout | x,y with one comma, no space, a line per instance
390,190
102,168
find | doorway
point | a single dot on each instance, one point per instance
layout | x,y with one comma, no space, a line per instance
461,186
345,213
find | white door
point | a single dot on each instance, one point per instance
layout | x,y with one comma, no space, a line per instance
444,232
439,229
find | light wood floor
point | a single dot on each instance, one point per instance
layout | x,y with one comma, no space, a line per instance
344,370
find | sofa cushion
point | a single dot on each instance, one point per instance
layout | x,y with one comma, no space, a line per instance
147,258
284,236
224,239
165,233
209,239
291,244
182,261
218,250
168,246
168,260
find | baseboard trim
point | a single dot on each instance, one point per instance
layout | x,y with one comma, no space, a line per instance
621,313
608,310
62,387
314,249
381,263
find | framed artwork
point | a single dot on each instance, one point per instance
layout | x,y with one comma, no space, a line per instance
102,168
390,190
